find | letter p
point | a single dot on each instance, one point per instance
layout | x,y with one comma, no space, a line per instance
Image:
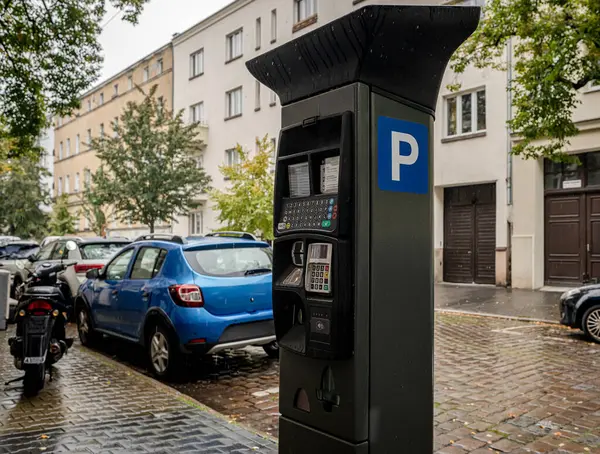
397,158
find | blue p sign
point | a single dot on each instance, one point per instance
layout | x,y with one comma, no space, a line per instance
402,156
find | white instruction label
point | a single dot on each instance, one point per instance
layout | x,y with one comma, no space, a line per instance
299,180
330,172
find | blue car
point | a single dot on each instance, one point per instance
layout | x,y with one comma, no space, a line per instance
177,298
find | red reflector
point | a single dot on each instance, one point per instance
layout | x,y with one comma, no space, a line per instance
186,295
198,341
85,267
39,306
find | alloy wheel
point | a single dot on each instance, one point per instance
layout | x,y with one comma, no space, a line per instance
83,323
159,352
592,323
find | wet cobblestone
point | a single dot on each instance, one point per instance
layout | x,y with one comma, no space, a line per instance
95,406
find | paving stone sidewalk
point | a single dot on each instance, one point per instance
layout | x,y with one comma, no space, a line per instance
96,406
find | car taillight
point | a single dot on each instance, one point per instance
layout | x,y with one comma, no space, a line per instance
39,307
85,267
187,295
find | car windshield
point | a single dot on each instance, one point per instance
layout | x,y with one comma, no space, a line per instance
238,261
17,251
101,251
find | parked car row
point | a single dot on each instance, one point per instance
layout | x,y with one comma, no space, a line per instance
175,297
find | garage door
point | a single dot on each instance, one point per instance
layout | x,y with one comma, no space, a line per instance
470,234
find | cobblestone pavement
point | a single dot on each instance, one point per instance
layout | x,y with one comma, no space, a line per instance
96,406
501,386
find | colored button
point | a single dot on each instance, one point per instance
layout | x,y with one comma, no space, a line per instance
326,224
331,201
335,208
326,275
334,215
330,209
326,287
326,267
329,216
288,225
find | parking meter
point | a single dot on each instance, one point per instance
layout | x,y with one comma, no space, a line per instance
353,249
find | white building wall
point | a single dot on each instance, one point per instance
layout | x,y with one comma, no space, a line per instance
46,141
475,158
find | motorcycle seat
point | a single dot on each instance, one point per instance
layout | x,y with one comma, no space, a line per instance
47,291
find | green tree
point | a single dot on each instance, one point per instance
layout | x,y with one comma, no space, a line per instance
62,220
149,170
247,205
95,209
49,54
21,212
556,52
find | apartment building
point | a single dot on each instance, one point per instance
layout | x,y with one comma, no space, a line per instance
212,84
74,162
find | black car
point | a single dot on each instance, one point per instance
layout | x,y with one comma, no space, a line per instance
580,308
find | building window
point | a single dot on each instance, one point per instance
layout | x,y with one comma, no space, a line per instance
273,26
272,98
77,144
159,66
89,136
115,126
146,74
273,155
558,175
87,178
466,113
258,33
235,46
101,129
129,82
197,113
76,224
234,103
197,63
160,104
60,151
59,190
115,90
86,223
101,98
197,223
68,184
68,148
304,9
76,187
59,121
257,96
89,105
232,157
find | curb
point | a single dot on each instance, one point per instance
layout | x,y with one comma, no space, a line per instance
504,317
168,390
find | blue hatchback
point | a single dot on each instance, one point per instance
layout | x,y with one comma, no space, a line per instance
177,298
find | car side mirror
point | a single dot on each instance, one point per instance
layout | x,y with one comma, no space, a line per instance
94,273
32,258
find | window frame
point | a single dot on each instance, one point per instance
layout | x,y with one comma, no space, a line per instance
146,74
297,10
228,113
115,90
458,99
101,101
68,148
230,47
194,57
257,85
193,108
76,182
77,144
273,25
235,157
193,222
257,33
159,66
130,82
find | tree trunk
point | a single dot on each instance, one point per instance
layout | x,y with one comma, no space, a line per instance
151,226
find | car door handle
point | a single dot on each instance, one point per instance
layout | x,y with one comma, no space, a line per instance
114,292
145,295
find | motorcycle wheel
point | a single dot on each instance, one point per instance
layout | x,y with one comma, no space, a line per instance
34,380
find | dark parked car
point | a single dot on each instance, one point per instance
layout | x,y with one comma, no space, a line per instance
580,308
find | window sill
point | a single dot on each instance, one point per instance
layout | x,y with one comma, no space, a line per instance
233,116
234,59
472,135
272,104
257,48
257,109
273,41
593,89
196,76
356,2
305,23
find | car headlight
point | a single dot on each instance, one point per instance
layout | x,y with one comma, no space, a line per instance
570,294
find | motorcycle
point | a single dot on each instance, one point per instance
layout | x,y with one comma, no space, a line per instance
41,316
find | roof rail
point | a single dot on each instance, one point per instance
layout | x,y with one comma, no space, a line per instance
242,235
161,237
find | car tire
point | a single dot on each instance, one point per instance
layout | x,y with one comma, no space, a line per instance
591,323
13,289
164,358
272,349
87,334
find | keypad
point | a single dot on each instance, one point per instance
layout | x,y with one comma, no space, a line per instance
315,213
319,278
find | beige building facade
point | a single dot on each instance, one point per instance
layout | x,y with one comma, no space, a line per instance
74,162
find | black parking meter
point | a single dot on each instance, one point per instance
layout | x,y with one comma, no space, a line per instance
352,272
